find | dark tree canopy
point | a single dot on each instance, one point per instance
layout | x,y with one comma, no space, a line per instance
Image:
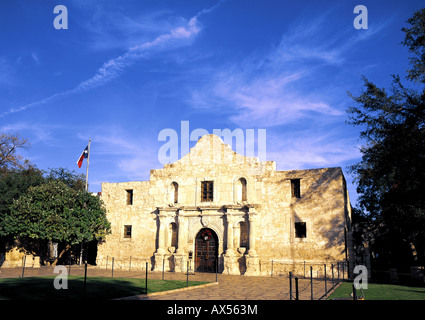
12,185
54,212
415,40
391,175
70,178
38,208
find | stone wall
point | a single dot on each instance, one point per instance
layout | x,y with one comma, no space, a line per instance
251,201
16,257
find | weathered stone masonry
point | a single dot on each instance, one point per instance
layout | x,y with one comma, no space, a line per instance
254,214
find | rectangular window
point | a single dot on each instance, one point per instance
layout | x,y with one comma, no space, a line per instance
129,197
127,231
300,230
207,191
295,188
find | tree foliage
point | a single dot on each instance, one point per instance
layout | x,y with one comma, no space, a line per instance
54,211
9,158
70,178
39,208
12,185
391,175
415,40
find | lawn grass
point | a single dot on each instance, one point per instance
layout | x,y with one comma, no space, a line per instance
380,291
97,288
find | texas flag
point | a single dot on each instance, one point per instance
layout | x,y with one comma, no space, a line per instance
85,154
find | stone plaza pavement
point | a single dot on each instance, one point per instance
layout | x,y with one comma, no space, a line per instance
226,288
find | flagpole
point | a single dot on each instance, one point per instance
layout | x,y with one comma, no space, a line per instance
87,170
87,179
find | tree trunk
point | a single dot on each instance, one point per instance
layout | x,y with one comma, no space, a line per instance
67,247
49,250
413,252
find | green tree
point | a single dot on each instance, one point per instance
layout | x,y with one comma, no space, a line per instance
15,183
53,211
415,40
12,185
70,178
391,175
9,159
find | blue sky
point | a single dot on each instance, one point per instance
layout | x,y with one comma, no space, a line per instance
125,70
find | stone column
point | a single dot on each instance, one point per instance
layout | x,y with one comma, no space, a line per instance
230,259
180,257
237,235
161,235
230,221
251,258
160,252
252,234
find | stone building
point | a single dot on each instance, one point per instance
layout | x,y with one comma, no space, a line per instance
215,208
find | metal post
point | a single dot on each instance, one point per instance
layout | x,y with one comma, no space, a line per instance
354,292
311,282
332,275
326,287
112,267
290,285
81,248
216,269
129,265
296,289
69,266
85,280
272,269
146,280
163,266
187,272
338,270
23,265
343,270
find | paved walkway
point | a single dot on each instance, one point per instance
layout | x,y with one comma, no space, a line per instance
228,287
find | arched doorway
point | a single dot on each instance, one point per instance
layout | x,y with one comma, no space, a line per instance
206,250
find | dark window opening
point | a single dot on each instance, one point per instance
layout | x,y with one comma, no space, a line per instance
129,197
243,241
300,230
207,191
174,234
176,191
243,184
127,231
296,188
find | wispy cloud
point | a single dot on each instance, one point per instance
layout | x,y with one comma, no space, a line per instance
35,57
269,95
314,148
6,72
109,29
175,38
268,99
36,130
123,153
287,84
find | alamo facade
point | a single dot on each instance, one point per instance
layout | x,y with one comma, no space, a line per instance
215,208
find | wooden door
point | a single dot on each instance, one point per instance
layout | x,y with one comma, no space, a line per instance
206,251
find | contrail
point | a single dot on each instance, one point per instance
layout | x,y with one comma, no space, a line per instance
113,68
